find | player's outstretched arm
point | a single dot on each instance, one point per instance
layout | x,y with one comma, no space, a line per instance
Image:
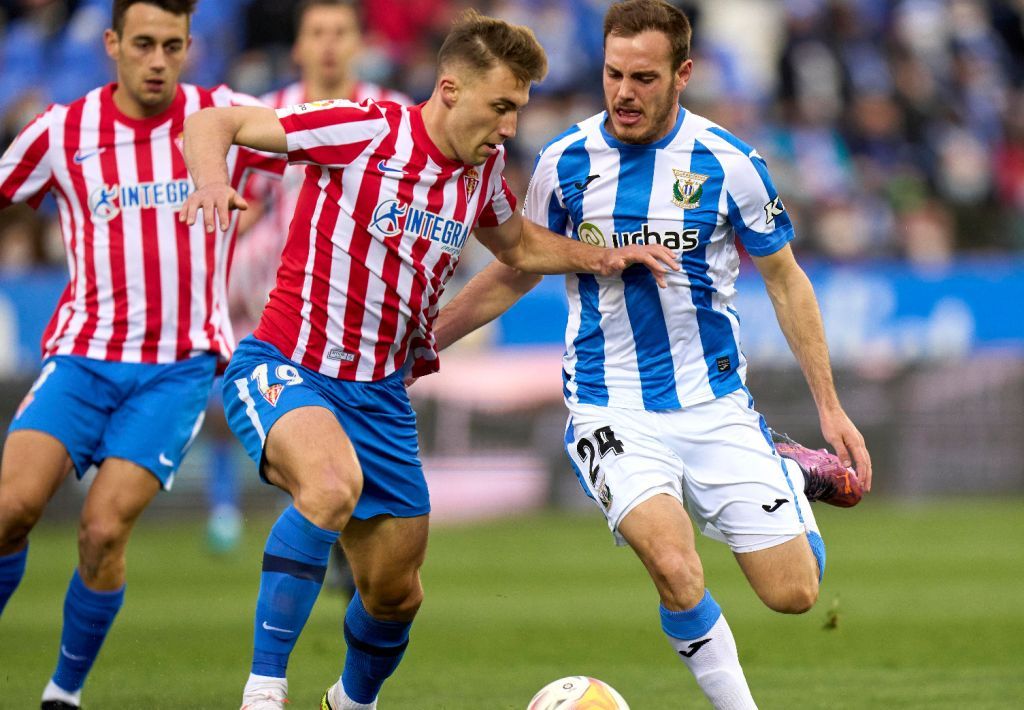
487,295
209,134
800,319
528,247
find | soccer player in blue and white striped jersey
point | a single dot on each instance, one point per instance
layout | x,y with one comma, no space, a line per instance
654,379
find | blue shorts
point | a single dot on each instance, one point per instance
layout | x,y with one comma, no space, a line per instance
261,385
147,414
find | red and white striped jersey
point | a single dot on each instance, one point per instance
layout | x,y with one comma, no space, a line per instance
143,286
257,259
379,227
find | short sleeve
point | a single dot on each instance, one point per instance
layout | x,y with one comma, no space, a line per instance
331,133
26,170
501,206
755,208
543,204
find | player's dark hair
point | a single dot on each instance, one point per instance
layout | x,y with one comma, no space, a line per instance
631,17
483,42
305,5
175,7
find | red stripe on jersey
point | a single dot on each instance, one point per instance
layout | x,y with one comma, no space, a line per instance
390,308
182,234
32,157
116,248
206,100
323,258
85,282
150,252
359,275
282,319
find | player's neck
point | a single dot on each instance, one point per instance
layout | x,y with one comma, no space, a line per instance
321,91
433,114
131,108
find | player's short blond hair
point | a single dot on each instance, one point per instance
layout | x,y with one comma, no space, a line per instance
482,42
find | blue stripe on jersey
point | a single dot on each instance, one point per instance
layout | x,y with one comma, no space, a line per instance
643,303
574,165
715,328
589,345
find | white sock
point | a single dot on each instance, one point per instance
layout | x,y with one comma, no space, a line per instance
52,691
715,664
340,700
266,685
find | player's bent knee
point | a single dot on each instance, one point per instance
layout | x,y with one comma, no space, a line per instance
394,601
102,538
679,578
16,521
794,598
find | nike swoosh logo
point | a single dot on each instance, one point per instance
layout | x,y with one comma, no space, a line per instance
583,185
694,647
164,460
382,166
80,157
64,652
773,508
268,627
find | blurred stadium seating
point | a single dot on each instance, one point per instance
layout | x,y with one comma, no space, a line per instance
893,128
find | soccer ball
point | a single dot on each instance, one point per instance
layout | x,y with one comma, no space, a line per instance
577,692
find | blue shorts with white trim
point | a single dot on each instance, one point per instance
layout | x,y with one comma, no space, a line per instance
145,413
261,385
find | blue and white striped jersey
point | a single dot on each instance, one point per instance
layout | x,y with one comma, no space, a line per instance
628,343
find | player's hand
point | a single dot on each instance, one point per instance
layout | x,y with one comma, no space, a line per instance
848,443
216,201
659,259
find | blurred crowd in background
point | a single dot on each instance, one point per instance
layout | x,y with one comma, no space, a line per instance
894,129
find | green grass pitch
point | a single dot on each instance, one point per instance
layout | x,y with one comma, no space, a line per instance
928,603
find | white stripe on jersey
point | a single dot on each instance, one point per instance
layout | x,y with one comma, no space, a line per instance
630,344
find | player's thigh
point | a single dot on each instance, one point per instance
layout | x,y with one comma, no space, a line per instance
620,461
661,535
120,492
160,415
286,421
307,450
736,487
34,465
386,554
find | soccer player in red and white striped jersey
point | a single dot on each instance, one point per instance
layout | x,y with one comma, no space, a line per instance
141,326
317,394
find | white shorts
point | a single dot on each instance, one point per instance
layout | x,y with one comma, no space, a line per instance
715,457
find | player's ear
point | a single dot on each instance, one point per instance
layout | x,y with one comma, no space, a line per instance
449,87
683,73
111,42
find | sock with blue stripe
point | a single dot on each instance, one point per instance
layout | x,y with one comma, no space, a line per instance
88,616
294,563
375,648
12,569
702,639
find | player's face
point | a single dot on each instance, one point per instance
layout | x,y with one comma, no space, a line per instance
327,41
150,53
484,112
641,89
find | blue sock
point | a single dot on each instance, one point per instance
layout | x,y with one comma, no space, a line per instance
818,548
691,623
294,563
87,619
375,648
12,569
222,483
